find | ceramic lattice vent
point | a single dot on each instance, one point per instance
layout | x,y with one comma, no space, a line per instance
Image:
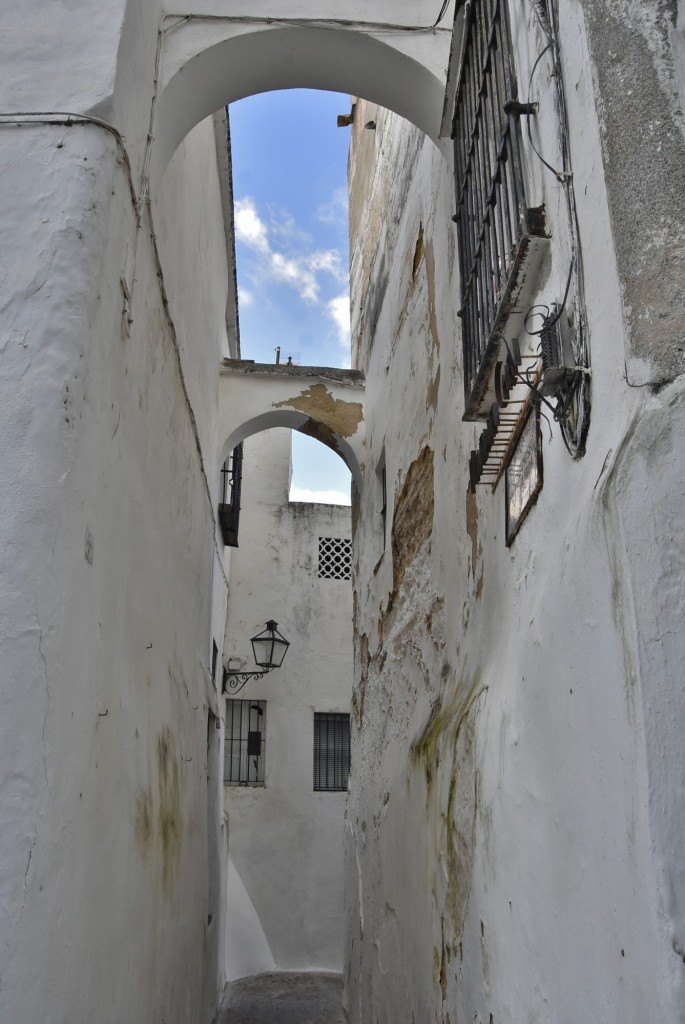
335,558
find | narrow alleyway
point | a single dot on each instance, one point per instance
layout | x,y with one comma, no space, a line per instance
284,999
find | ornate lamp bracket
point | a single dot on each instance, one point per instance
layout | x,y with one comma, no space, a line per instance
234,681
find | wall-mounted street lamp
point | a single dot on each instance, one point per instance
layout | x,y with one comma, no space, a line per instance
269,648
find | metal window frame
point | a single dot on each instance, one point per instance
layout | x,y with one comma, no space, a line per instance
229,505
244,719
331,751
528,437
494,223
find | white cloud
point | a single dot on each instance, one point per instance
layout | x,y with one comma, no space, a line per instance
245,298
298,270
327,260
294,272
335,210
338,310
330,497
282,224
249,227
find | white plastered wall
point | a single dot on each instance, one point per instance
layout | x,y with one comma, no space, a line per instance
111,585
107,540
285,840
511,703
79,479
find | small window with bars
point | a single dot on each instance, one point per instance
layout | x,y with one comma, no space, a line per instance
335,558
245,742
331,750
493,220
229,504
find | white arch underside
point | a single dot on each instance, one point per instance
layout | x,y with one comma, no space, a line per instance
250,62
293,420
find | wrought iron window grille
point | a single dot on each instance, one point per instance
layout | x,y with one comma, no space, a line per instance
496,228
245,742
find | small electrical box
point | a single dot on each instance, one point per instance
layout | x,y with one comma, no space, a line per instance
557,353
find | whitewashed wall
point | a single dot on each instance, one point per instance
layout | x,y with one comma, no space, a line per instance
541,877
285,840
516,796
110,582
106,584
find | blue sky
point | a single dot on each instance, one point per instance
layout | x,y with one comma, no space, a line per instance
290,190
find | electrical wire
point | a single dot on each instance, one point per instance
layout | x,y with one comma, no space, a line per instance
538,18
346,23
540,305
532,312
68,118
441,15
559,175
573,410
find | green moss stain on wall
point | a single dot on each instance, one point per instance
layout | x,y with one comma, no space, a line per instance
448,742
144,819
170,818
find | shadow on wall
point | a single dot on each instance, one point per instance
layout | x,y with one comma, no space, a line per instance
247,947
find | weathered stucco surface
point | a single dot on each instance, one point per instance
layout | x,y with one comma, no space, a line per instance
516,811
114,293
325,403
516,709
107,558
643,146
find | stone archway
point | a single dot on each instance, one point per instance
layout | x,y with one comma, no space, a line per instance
325,403
205,62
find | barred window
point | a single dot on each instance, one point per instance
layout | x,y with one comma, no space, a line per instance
331,750
335,558
494,223
245,742
229,505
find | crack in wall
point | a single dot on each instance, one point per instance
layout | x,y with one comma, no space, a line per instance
32,847
26,872
47,690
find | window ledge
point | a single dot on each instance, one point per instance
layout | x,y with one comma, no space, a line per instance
515,300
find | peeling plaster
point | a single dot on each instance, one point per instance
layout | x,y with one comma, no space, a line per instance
432,392
418,253
432,305
412,523
332,413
